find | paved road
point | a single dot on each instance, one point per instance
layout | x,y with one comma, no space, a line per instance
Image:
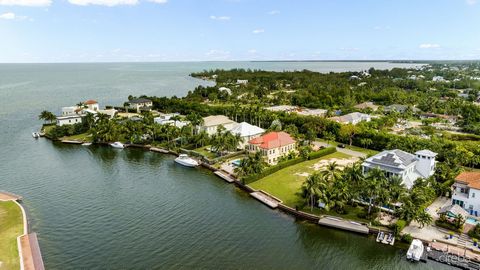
342,150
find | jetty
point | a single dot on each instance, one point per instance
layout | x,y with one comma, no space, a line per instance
224,176
266,199
8,196
159,150
342,224
71,142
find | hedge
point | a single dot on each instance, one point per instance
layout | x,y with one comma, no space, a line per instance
398,226
288,163
448,225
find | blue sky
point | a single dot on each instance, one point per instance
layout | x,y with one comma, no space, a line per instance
213,30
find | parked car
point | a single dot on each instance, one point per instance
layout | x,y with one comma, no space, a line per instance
341,145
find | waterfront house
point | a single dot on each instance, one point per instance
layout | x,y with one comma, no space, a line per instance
398,163
92,105
466,191
140,104
166,119
399,108
312,112
282,108
71,110
226,90
246,132
211,123
243,82
69,119
352,118
452,119
272,145
366,105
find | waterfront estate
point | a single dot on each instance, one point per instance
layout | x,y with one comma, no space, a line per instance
273,146
466,192
211,123
406,166
352,118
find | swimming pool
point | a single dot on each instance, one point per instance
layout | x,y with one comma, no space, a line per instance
471,221
236,162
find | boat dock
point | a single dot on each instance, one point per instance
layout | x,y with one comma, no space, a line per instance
266,199
30,250
71,142
343,224
224,176
159,150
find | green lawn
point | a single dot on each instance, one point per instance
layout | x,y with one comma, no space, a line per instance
205,152
366,151
11,226
80,137
285,184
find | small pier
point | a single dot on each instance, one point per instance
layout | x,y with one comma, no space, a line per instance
159,150
344,225
71,142
224,176
7,196
266,199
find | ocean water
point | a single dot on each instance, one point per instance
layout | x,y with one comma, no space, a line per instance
102,208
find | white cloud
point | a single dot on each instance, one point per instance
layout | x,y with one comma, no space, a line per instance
11,16
220,18
428,46
7,16
108,3
158,1
258,31
29,3
471,2
274,12
252,51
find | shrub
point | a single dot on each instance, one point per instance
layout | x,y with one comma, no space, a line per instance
322,152
475,232
448,225
398,226
407,238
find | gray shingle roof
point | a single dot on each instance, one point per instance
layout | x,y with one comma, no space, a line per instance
393,158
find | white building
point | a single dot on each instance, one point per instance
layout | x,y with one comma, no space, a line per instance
211,123
466,191
72,110
69,119
399,163
244,82
166,119
92,105
140,104
246,132
282,108
352,118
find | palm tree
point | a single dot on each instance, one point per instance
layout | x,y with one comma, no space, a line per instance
373,188
332,172
126,105
423,218
310,189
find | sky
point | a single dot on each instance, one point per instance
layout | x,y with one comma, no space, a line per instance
232,30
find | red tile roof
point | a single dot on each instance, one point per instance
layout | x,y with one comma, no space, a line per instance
472,179
273,140
90,102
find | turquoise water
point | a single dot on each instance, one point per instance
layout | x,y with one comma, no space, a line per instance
101,208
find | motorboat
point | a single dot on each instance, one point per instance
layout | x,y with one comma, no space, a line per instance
36,135
380,236
391,239
87,144
415,251
118,145
187,161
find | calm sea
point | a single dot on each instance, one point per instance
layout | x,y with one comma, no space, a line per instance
100,208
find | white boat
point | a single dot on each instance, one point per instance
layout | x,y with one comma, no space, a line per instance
415,251
187,161
380,236
87,144
118,145
36,135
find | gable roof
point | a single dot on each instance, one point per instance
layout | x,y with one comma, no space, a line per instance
471,179
216,120
244,129
91,102
273,140
426,152
393,158
453,209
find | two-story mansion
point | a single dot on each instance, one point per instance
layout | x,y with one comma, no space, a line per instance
409,167
272,145
466,191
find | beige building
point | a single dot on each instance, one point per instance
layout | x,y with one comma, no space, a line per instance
273,145
211,123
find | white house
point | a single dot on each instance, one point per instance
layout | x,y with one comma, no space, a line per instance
244,82
72,110
352,118
466,192
211,123
166,119
399,163
92,105
69,119
140,104
246,132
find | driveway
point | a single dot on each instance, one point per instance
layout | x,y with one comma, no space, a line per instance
341,150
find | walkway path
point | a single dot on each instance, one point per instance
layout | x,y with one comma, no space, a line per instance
341,150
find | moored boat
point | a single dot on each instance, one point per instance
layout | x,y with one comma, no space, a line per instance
187,161
118,145
415,251
36,135
87,144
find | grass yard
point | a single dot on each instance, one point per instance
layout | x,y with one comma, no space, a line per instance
80,137
11,226
285,184
205,152
368,152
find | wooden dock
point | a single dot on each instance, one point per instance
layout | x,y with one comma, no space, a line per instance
265,199
8,196
159,150
343,224
224,176
71,142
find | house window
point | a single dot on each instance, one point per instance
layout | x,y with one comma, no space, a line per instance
473,194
